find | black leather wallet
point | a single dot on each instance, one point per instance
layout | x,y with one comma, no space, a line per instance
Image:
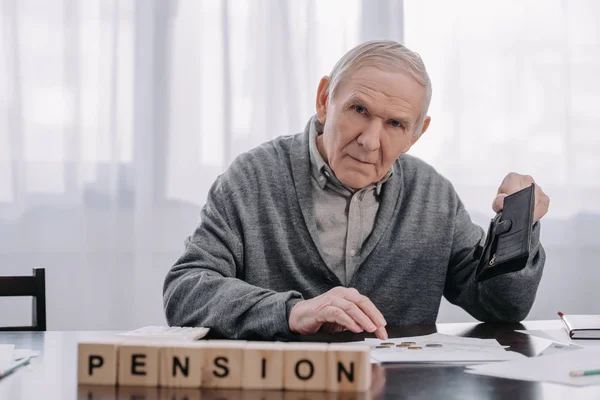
508,239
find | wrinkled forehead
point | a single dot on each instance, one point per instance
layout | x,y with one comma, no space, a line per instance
381,87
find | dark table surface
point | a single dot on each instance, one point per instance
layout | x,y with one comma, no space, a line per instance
53,375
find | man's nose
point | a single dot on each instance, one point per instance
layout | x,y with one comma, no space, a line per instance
370,138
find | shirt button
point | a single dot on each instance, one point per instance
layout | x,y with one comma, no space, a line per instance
352,253
321,178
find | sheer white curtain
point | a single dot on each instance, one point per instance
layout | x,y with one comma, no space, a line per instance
117,115
516,89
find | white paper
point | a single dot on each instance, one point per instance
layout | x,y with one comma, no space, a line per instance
560,336
454,349
25,353
6,355
557,348
551,368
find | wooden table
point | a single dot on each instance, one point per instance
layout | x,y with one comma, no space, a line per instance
53,375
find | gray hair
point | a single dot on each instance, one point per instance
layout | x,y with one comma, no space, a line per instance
390,55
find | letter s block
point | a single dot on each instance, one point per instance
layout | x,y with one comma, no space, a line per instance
305,367
223,363
97,362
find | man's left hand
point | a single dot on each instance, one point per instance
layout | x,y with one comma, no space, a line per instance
514,182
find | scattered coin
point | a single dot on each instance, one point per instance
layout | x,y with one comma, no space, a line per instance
409,343
433,345
383,347
387,344
403,345
414,348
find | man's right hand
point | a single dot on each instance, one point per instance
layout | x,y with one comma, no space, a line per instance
345,307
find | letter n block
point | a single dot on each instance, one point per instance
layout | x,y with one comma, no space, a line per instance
181,365
348,368
263,366
223,364
138,364
97,362
305,367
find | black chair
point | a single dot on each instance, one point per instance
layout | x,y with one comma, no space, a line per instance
22,286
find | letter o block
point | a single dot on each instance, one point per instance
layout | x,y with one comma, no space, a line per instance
305,367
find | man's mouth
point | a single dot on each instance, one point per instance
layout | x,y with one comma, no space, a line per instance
361,161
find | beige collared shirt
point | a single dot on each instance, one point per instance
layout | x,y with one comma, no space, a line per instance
344,216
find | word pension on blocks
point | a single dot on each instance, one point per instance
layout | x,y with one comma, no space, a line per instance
226,364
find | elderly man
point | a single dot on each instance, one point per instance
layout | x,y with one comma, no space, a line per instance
337,228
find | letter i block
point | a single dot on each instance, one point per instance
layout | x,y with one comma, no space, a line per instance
223,363
138,363
97,362
348,368
263,366
181,365
305,367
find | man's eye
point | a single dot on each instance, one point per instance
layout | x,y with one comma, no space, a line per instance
396,124
360,109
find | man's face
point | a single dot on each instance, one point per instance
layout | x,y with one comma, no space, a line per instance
369,122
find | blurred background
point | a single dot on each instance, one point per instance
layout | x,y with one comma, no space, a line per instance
116,116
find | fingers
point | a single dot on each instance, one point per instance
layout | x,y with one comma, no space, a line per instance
338,316
381,333
355,313
542,203
498,203
366,306
514,182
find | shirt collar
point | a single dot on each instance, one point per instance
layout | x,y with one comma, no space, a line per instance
321,171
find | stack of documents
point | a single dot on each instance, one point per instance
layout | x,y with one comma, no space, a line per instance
438,348
555,368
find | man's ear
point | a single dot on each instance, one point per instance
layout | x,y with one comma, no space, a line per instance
426,123
322,96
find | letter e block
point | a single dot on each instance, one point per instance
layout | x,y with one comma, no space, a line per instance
138,364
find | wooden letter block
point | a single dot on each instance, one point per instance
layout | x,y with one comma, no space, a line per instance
181,365
97,362
223,363
305,366
263,366
348,368
138,364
